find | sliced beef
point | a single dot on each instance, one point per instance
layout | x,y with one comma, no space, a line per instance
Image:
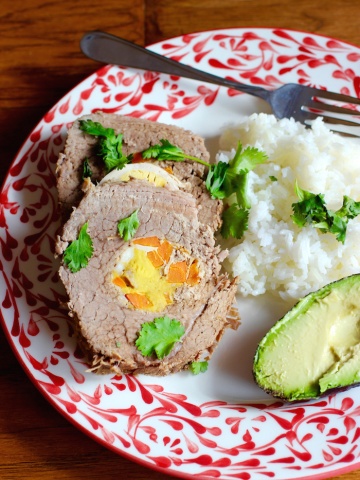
138,135
108,325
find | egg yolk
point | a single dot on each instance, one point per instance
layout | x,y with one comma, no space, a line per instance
148,278
151,177
146,281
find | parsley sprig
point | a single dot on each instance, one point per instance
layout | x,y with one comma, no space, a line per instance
159,336
128,226
78,253
109,146
311,210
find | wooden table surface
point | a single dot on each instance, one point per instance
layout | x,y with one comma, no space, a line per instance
40,61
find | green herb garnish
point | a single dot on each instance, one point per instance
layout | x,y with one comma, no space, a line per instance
159,336
78,253
236,177
198,367
235,221
311,210
215,179
233,179
127,226
109,146
87,173
223,180
165,151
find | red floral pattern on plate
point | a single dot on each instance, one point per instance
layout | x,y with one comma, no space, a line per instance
185,426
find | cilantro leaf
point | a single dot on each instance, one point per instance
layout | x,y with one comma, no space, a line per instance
127,226
95,128
246,159
311,210
159,336
224,180
109,146
349,209
165,151
338,226
87,173
78,253
198,367
236,177
235,221
215,179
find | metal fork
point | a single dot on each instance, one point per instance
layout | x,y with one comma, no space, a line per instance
291,100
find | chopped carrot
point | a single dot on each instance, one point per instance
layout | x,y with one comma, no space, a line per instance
119,281
193,276
137,158
139,300
165,250
169,170
155,258
147,241
177,272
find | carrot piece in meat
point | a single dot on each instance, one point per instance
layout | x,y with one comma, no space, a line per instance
165,250
137,158
119,281
147,241
177,272
155,258
139,300
193,276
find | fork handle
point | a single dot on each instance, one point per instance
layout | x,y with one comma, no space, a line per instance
107,48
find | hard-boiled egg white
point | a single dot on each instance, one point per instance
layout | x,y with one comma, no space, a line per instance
144,171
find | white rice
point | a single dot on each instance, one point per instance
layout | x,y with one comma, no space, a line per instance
275,255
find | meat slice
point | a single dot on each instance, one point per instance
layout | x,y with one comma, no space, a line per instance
107,313
138,135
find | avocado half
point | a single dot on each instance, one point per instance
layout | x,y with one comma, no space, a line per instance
315,347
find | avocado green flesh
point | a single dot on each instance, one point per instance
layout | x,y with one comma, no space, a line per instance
315,346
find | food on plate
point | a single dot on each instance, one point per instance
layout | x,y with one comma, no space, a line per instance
145,171
128,136
168,270
140,263
315,347
284,249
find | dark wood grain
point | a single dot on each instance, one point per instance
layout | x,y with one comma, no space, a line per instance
40,61
334,18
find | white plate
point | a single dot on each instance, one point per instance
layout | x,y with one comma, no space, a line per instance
214,425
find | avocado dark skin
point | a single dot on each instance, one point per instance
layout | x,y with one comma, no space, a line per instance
315,348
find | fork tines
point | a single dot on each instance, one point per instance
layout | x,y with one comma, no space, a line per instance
340,110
